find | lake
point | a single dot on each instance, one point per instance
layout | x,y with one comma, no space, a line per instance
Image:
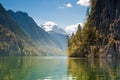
58,68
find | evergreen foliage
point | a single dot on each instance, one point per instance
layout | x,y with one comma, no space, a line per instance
11,45
100,36
13,40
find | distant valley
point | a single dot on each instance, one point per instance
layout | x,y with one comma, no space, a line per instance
30,38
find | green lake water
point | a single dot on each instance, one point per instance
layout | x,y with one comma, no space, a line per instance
58,68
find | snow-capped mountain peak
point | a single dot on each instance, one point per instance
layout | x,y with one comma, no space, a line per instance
48,26
52,27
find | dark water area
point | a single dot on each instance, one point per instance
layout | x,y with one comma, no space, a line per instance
58,68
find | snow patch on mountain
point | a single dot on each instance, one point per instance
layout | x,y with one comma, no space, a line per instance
50,26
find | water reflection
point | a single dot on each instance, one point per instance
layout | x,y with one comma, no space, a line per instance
54,68
94,69
32,68
10,68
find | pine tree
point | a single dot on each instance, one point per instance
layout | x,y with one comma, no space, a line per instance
79,33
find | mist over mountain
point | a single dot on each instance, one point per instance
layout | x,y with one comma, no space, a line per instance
13,40
57,33
43,39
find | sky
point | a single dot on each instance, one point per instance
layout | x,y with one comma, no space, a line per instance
65,13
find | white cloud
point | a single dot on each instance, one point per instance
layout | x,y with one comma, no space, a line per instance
72,28
69,5
83,2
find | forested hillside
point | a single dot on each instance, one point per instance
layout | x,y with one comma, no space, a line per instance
41,38
20,35
13,40
100,36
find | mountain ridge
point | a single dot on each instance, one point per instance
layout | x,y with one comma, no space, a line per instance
41,37
50,26
18,38
57,33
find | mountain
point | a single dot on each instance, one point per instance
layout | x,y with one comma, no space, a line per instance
57,33
101,33
13,40
36,33
52,27
106,18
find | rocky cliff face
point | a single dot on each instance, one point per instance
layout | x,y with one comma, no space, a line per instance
101,33
105,16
